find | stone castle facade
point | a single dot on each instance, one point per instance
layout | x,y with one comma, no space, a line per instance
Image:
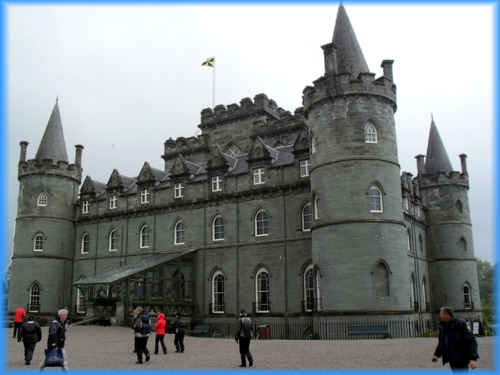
300,215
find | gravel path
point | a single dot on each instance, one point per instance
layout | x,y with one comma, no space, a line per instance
111,347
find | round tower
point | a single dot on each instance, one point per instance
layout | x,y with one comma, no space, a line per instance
44,235
452,265
359,241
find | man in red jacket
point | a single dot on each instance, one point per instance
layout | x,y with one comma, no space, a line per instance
160,326
18,321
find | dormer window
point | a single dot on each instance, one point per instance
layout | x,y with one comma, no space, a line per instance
178,191
258,176
216,184
304,168
85,207
42,200
145,194
112,202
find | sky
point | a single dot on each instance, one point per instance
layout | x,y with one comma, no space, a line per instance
130,77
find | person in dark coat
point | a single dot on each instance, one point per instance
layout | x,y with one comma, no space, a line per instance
243,337
142,329
179,334
30,333
57,335
457,345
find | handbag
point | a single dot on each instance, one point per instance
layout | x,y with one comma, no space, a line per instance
54,358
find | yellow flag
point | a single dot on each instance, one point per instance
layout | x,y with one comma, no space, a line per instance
209,62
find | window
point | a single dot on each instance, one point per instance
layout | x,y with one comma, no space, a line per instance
145,194
42,200
112,202
113,240
375,199
467,296
417,211
145,237
370,133
85,207
309,289
306,218
218,228
38,242
216,184
258,176
412,294
218,293
304,168
81,303
314,145
409,239
261,223
424,294
84,247
459,206
34,305
381,278
179,233
178,191
462,245
406,205
316,208
262,291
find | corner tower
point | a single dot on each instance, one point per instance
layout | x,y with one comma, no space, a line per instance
44,235
452,265
359,242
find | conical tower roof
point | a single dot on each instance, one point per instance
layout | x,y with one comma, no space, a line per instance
52,145
437,159
350,58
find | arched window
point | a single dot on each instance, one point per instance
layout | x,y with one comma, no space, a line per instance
413,301
84,246
316,208
309,289
42,200
467,296
370,133
218,228
459,206
145,237
381,280
409,239
38,242
218,293
113,240
85,207
81,301
34,305
424,295
462,244
262,302
261,223
421,243
179,233
375,199
306,217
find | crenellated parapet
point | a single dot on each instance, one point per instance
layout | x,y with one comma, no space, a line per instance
261,105
442,179
340,85
184,146
49,167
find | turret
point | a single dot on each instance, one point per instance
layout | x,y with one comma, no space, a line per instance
44,235
358,238
452,266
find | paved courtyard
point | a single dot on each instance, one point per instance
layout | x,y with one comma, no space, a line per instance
97,347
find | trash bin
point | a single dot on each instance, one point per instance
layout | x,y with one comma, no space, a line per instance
264,332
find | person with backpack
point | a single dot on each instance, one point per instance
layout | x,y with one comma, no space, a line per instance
30,333
142,328
55,355
160,327
179,334
243,337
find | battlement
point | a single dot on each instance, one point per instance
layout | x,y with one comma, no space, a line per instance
49,167
221,114
452,178
185,146
332,85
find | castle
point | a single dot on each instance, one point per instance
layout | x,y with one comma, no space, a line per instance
302,216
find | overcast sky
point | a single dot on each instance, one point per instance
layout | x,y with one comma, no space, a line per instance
130,77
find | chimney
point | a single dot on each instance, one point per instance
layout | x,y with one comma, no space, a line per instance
463,160
420,164
22,156
387,66
330,58
78,155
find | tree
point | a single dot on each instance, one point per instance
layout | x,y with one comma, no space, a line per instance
486,277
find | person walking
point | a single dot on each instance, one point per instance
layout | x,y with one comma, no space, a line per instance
160,328
18,320
243,337
137,312
142,328
179,334
457,345
57,338
30,333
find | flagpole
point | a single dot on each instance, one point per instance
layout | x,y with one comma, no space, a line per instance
213,88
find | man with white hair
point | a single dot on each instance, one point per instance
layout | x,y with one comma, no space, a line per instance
57,336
